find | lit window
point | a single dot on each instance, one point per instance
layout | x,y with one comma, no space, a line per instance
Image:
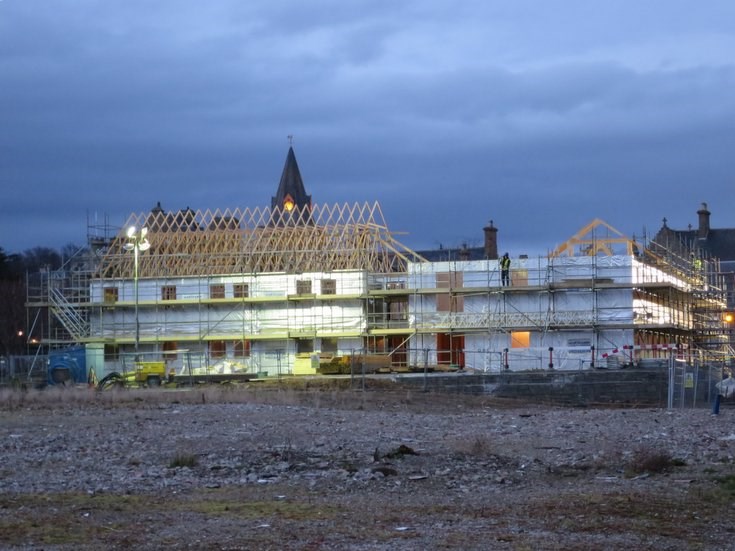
520,339
110,294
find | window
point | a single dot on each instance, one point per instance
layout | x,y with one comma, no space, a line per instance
398,309
446,302
304,346
217,290
329,345
520,339
170,347
112,352
240,290
168,292
329,286
303,287
217,349
241,349
110,294
450,349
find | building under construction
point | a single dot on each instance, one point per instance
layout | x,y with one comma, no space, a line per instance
289,288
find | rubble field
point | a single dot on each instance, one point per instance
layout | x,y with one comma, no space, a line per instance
319,469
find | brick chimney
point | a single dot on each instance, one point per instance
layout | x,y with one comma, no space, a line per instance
703,230
491,241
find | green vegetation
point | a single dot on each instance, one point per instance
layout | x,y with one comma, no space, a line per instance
69,519
183,460
725,491
260,509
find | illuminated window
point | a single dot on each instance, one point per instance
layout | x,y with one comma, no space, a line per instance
110,294
288,203
217,290
520,339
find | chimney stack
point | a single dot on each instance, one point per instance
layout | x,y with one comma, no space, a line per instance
491,241
703,230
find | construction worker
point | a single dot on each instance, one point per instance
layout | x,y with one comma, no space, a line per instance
696,263
505,270
91,378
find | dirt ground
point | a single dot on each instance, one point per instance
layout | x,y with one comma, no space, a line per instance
318,469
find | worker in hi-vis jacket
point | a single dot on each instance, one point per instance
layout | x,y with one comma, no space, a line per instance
505,270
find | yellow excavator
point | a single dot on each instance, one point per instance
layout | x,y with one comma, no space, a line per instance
143,373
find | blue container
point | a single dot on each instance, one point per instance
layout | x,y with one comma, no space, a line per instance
67,366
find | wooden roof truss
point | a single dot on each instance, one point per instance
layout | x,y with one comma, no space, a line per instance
199,243
596,238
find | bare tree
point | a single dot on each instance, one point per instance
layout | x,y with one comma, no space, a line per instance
12,304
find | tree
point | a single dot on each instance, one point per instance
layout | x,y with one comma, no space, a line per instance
41,257
12,304
13,288
11,266
12,316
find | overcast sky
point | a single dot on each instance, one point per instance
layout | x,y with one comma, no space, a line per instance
538,115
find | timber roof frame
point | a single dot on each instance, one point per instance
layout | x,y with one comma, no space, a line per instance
322,238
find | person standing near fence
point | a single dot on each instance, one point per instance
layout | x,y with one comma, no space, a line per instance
725,388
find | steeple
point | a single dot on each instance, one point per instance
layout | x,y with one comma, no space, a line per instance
291,195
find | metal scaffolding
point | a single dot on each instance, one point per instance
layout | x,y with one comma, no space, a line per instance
335,277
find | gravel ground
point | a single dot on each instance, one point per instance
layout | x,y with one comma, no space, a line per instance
309,470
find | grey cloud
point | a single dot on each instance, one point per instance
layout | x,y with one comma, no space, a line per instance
449,115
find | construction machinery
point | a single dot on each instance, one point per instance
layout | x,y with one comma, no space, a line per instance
144,370
67,366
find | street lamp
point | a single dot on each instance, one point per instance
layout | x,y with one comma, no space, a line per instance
137,242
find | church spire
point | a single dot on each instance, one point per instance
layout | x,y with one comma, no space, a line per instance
291,195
